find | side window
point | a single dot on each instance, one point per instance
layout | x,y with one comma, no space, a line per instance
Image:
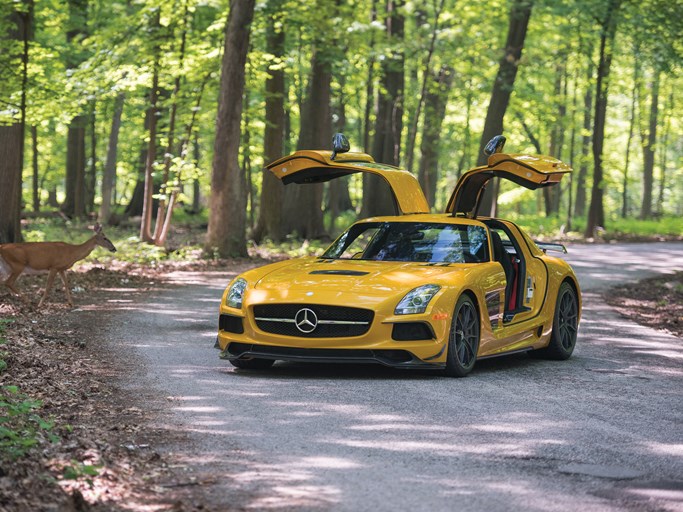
507,243
478,243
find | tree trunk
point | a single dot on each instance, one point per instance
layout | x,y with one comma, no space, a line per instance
377,196
270,220
464,161
36,172
649,149
370,84
339,199
12,134
75,201
662,154
551,195
520,13
227,218
426,73
10,182
580,205
170,191
572,151
147,196
91,162
436,100
303,205
631,127
109,175
596,212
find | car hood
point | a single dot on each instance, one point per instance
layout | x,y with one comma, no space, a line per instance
355,277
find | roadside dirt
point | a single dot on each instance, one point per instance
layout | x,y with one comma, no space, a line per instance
656,302
105,450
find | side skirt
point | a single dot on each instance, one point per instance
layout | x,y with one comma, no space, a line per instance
518,351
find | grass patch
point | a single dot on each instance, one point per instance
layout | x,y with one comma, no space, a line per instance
555,227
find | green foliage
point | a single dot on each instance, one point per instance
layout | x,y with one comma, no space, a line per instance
549,227
80,470
20,427
80,62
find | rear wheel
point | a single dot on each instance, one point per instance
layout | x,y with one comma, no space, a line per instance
565,325
252,364
463,339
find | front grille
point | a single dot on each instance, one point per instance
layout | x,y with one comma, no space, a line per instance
332,321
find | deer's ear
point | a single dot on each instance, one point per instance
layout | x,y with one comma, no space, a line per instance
97,228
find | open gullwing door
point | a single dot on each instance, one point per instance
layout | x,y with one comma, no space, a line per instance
530,171
308,166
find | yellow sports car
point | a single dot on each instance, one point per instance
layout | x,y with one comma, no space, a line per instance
414,290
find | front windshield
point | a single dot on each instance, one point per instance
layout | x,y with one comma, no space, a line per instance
411,241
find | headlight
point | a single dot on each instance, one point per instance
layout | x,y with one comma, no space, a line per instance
236,293
416,300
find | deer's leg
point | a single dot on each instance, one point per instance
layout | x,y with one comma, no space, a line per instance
62,274
9,283
50,280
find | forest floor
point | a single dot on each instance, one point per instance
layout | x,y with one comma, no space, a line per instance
656,302
70,438
85,446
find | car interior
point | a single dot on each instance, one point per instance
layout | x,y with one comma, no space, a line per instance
506,251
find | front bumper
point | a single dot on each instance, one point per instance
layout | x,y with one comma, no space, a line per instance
388,357
380,344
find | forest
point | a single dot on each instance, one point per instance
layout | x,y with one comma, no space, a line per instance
137,111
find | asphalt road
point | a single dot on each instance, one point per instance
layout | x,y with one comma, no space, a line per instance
600,432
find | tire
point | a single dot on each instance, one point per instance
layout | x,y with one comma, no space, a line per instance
463,338
252,364
565,326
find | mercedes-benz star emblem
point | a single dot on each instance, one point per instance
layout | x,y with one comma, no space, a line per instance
305,320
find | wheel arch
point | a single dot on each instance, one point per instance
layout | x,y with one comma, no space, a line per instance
572,281
473,296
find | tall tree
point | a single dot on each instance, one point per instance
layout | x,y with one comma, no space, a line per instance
386,147
520,13
109,175
75,201
649,141
412,132
151,117
587,137
551,195
631,127
608,26
436,99
227,219
20,18
269,223
303,205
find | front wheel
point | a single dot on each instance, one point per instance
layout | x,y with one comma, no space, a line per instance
252,364
463,339
565,325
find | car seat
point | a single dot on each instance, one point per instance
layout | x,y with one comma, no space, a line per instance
501,256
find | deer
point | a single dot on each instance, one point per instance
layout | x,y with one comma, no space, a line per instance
53,257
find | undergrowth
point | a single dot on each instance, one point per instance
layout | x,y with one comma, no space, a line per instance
21,428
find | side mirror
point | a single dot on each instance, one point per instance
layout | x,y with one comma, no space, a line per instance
340,144
495,145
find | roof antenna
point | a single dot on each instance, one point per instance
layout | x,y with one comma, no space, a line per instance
340,144
495,145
